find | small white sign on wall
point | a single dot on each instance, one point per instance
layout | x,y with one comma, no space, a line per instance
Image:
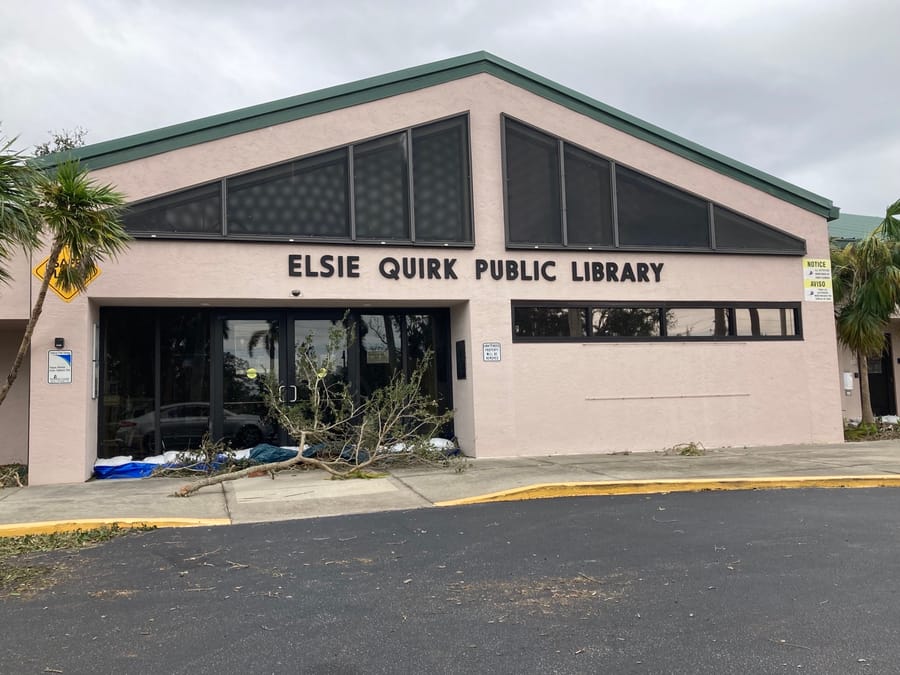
59,366
490,351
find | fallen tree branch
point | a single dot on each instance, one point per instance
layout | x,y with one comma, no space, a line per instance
191,488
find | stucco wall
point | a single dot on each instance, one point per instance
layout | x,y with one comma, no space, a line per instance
62,417
14,411
15,295
540,398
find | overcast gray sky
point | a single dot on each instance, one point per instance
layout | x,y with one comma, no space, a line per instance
808,90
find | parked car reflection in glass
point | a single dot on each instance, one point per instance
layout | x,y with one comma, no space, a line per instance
182,426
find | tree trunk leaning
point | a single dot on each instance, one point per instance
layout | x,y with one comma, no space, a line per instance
52,263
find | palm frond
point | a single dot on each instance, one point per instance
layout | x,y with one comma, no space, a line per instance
84,217
866,283
20,224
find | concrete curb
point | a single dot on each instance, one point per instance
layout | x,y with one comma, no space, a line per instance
51,526
629,487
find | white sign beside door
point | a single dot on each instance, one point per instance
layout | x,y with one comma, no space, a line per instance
490,351
59,366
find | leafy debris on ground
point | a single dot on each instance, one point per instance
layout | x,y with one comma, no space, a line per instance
692,449
13,475
871,432
23,570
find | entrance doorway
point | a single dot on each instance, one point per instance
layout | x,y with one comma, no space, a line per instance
881,381
253,348
169,376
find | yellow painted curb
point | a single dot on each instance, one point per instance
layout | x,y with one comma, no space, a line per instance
51,526
628,487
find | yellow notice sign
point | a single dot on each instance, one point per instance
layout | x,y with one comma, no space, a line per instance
817,280
64,258
816,268
817,283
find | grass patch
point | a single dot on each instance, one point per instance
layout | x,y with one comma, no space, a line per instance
22,570
871,432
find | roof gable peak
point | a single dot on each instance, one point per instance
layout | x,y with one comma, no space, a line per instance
222,125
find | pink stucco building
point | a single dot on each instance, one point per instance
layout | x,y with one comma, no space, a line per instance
587,281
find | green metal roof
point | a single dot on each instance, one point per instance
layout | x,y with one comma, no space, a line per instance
852,227
118,151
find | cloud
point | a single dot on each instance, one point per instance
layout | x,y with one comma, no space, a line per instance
804,90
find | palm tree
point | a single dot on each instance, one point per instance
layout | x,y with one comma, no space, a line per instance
78,216
866,280
19,225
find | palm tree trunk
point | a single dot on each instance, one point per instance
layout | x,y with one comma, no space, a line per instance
754,321
865,399
720,326
32,321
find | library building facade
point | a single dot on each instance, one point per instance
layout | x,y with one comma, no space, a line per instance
578,280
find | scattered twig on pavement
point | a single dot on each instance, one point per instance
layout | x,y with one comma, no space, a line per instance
785,643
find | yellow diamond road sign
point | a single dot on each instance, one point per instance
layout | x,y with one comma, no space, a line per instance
64,257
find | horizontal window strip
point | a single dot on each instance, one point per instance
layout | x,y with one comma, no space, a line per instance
663,321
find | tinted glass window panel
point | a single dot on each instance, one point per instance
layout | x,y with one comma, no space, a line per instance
588,199
303,198
184,378
184,356
734,231
654,214
194,211
381,188
128,395
313,341
441,182
550,322
532,186
697,322
765,321
419,342
248,345
625,322
380,351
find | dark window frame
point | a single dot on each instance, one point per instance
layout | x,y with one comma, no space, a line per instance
617,246
662,307
213,318
466,194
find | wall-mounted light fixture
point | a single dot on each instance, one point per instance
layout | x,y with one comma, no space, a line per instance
847,379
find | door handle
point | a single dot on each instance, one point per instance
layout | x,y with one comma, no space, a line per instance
294,397
281,389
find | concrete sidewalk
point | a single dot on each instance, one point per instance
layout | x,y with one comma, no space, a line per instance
309,494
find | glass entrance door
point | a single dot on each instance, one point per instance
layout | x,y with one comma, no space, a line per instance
254,349
312,346
252,355
263,350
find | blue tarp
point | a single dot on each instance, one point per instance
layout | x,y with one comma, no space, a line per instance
128,470
265,453
261,454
